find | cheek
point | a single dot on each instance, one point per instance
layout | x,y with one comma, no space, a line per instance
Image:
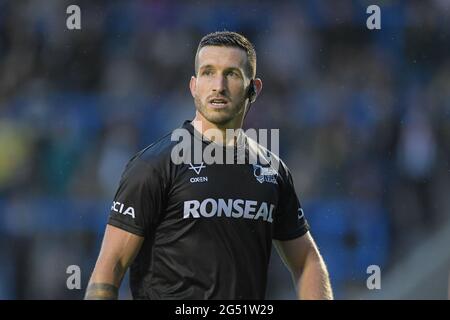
240,92
237,88
201,89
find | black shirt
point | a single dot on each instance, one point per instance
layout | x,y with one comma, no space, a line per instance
208,228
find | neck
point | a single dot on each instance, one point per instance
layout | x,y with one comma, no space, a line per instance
215,132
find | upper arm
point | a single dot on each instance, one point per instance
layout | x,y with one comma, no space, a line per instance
290,221
119,248
294,253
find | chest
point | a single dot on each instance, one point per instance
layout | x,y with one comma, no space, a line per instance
244,182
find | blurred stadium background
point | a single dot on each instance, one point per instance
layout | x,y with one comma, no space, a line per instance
363,117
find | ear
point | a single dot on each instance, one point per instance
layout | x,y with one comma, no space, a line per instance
193,86
257,82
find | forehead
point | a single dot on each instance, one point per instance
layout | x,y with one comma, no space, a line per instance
222,57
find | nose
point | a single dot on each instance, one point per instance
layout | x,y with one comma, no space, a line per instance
219,84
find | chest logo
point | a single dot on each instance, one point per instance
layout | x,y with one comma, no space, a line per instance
198,168
265,174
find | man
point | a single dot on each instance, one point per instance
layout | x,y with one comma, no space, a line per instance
196,231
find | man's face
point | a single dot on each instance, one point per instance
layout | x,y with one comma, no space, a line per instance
220,88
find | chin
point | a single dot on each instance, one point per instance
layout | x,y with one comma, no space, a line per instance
219,119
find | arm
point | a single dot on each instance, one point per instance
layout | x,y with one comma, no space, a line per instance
119,248
307,267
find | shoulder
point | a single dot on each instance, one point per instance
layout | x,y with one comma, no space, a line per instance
158,151
153,158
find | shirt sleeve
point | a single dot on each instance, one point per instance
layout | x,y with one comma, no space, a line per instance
290,221
137,204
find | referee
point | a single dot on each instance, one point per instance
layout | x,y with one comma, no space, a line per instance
205,231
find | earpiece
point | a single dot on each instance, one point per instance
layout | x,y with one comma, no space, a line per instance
251,96
252,91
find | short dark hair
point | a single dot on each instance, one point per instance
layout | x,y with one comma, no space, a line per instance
230,39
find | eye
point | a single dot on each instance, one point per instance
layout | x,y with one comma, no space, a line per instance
233,74
206,72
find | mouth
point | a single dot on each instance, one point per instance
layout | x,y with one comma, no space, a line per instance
218,103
